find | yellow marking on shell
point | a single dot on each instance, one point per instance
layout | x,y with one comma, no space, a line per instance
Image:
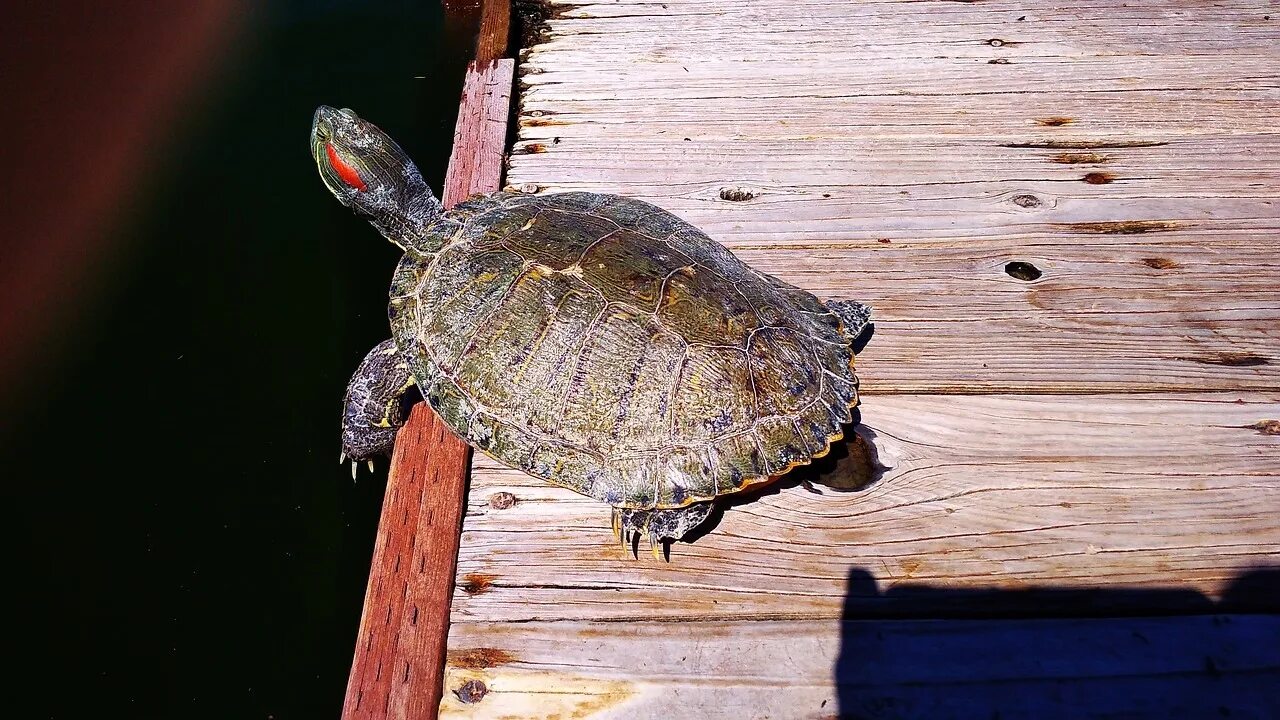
537,344
574,270
528,224
486,276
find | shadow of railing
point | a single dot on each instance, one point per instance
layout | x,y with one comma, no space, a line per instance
917,651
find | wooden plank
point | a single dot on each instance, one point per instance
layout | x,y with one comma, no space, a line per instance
480,141
401,642
400,648
1099,440
1015,492
1128,153
1192,667
495,29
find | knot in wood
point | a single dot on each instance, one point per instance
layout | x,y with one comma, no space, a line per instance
736,194
502,500
1022,271
1027,201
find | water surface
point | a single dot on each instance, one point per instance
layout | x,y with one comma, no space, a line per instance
189,545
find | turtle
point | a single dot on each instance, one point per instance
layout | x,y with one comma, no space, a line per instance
595,341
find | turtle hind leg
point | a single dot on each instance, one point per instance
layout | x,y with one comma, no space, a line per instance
658,526
372,411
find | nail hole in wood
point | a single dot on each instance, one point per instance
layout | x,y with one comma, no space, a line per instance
472,692
1022,270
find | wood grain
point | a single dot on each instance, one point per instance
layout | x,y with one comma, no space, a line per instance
400,650
1070,668
480,140
1012,492
401,642
1095,441
495,28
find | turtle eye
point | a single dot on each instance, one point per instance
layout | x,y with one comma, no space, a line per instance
343,169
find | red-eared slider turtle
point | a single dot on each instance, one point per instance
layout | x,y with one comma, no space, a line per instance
595,341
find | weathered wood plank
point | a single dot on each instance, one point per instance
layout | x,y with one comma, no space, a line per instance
1128,153
1097,440
475,165
401,642
946,78
399,658
495,29
802,168
1119,114
1193,667
1015,492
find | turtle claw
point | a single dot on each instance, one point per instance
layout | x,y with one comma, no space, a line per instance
658,526
658,547
355,468
370,464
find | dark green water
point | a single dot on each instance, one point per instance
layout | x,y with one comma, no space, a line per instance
188,544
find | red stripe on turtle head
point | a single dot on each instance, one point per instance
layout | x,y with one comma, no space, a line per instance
345,171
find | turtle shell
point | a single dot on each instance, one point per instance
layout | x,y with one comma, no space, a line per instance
608,346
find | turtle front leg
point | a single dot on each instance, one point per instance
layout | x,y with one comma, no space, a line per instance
658,526
372,412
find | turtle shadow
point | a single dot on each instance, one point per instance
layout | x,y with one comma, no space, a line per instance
852,465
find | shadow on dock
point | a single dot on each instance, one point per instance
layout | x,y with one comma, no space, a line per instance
918,651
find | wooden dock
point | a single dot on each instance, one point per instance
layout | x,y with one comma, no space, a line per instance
1067,219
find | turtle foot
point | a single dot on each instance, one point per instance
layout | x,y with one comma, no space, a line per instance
659,526
372,412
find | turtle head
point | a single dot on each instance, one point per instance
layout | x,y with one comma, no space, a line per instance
369,173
